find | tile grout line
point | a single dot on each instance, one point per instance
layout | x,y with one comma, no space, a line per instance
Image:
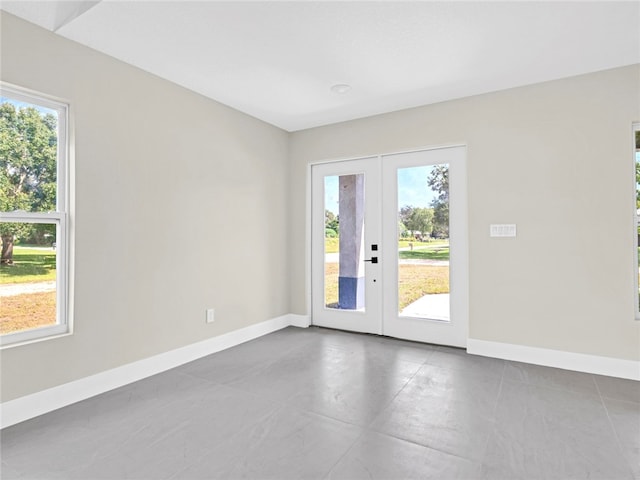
277,404
495,410
346,452
613,428
367,428
425,363
429,447
253,369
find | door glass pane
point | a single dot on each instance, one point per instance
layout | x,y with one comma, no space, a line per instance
27,276
423,242
344,242
29,156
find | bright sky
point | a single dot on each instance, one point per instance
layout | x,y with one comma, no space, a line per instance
25,104
412,189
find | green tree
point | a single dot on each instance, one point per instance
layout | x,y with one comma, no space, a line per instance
402,230
28,163
438,180
331,221
637,170
637,185
405,214
421,220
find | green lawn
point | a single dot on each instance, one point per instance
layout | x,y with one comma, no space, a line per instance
27,311
425,254
415,281
332,245
405,243
30,265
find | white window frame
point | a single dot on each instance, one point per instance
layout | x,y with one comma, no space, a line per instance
636,223
59,218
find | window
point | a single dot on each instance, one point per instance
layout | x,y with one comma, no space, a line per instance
637,215
33,216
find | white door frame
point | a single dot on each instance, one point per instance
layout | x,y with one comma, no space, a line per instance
369,319
455,331
459,278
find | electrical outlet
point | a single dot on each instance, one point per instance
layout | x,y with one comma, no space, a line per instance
210,315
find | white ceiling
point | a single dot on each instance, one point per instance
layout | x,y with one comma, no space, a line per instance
277,60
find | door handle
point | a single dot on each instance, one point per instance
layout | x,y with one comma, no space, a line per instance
372,260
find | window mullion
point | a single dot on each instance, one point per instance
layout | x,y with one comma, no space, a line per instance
31,217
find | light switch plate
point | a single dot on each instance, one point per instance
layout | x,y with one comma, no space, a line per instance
502,230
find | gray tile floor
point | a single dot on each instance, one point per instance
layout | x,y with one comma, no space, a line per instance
322,404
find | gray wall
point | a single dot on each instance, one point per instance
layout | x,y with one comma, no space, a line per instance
180,204
554,158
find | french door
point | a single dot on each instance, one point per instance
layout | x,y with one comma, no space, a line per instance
389,245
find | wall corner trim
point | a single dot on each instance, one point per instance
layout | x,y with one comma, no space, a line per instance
30,406
580,362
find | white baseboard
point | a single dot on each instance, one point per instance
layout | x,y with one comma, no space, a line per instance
302,321
29,406
613,367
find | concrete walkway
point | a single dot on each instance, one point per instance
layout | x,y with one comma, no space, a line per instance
434,306
13,289
426,261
